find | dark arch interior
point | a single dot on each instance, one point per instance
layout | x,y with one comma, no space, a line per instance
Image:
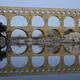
2,30
3,41
68,31
53,33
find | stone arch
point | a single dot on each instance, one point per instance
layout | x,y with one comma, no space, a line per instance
19,62
38,61
18,34
37,33
69,60
53,60
19,21
54,21
37,48
38,21
3,20
54,35
69,21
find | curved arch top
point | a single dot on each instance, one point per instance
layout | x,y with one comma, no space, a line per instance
39,23
19,33
18,20
54,21
69,22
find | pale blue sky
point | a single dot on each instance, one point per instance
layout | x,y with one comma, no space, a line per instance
42,3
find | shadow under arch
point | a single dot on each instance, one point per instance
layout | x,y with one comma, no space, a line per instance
68,46
57,32
54,34
68,35
68,31
3,56
55,38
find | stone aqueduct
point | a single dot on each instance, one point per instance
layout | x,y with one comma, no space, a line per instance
44,13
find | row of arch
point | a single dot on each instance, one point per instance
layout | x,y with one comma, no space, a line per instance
38,61
53,21
39,49
21,33
54,48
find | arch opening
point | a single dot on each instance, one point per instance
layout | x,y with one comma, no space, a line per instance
37,34
37,49
53,60
68,31
19,38
53,21
19,21
69,60
69,22
38,61
39,23
19,62
19,33
54,35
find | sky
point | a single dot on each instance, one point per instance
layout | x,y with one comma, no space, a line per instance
42,3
